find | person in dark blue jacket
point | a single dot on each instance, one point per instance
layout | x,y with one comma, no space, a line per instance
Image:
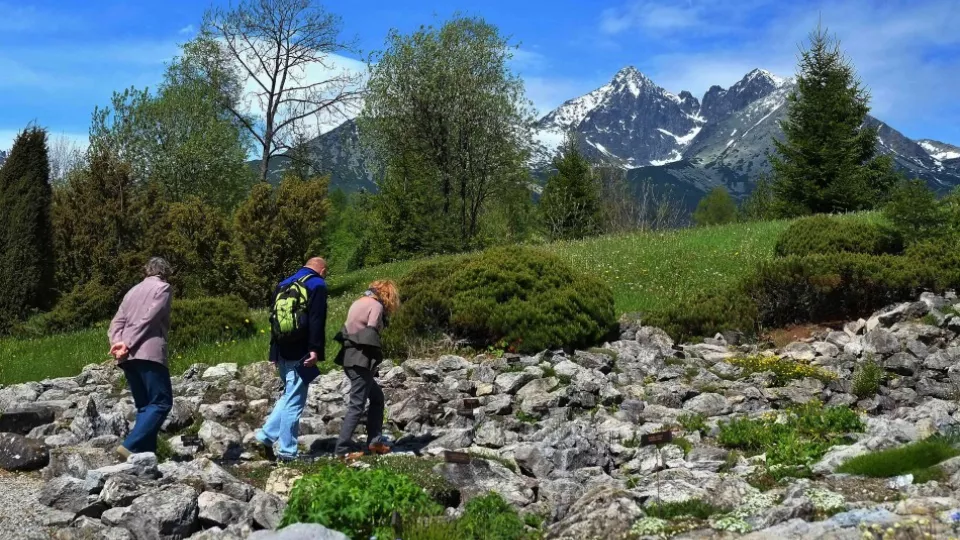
297,364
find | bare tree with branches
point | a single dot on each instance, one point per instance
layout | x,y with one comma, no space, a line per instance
278,47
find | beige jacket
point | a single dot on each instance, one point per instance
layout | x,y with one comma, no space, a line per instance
143,321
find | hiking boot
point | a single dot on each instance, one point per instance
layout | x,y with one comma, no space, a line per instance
265,449
350,458
122,452
379,448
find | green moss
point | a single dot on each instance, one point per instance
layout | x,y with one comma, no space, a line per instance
692,508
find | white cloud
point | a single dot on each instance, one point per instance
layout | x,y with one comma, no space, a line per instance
188,29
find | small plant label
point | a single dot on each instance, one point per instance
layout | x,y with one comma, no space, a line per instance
462,458
190,440
659,437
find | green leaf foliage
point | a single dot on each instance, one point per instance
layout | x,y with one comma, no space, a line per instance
570,206
449,120
208,320
26,239
915,211
795,441
716,208
915,458
275,230
760,205
183,136
824,234
827,159
356,502
513,297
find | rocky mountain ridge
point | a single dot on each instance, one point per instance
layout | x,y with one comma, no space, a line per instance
558,435
674,139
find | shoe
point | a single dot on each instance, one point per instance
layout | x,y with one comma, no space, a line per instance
281,458
379,448
265,449
351,457
123,452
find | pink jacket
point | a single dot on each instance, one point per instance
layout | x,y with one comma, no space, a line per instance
143,321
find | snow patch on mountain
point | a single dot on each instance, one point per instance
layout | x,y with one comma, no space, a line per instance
939,151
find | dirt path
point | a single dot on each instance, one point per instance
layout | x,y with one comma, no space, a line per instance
21,516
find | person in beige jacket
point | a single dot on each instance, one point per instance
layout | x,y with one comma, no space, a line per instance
138,341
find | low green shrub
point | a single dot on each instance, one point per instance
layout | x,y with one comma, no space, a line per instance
795,441
784,369
356,502
521,299
839,286
490,517
85,305
919,458
208,320
692,422
914,210
822,234
940,252
706,314
867,378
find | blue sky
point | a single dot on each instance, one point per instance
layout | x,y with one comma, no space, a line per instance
60,58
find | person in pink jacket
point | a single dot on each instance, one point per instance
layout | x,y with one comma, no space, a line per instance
138,341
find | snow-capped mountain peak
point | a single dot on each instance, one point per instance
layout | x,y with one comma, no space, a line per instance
938,150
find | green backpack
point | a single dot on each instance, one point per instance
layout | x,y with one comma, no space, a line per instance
289,316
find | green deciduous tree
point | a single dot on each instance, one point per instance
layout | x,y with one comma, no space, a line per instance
715,208
26,239
183,136
570,206
451,125
827,161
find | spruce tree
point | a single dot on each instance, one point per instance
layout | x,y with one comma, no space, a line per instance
827,161
26,237
759,205
570,206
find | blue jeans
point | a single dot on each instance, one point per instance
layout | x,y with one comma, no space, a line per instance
283,424
153,396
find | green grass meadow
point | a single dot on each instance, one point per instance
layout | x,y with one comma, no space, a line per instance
646,271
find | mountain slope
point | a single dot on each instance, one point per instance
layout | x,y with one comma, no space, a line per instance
674,140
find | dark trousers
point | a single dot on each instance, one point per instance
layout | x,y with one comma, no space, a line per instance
363,387
153,396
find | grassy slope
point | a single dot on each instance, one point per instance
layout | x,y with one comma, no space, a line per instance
647,272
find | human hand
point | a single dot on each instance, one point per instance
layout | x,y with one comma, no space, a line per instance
119,351
311,360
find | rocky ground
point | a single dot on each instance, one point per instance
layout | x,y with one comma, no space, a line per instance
562,435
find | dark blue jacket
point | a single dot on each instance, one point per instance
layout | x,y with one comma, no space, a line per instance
315,337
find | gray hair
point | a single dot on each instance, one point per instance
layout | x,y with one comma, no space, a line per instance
159,267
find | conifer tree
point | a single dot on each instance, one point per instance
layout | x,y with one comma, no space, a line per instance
26,236
827,161
570,206
759,205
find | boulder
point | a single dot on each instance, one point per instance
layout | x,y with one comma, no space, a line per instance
18,453
68,494
481,476
168,513
123,489
510,383
207,476
300,531
881,342
267,510
75,461
220,371
603,512
90,423
281,481
799,350
707,404
181,414
220,441
594,360
217,509
23,418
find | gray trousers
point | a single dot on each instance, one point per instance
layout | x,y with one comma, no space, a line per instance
363,387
